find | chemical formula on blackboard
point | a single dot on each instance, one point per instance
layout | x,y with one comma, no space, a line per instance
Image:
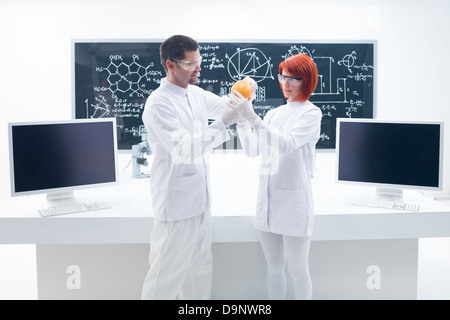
114,79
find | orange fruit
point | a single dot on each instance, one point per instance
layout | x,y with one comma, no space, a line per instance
243,87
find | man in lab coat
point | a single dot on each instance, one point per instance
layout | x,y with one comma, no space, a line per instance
176,118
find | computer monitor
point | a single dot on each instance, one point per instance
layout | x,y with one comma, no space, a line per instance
390,155
59,157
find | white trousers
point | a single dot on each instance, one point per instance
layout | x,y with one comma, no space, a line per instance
180,260
279,249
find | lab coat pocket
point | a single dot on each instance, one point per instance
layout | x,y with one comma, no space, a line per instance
186,197
291,210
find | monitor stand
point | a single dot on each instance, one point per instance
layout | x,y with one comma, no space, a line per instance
57,199
389,194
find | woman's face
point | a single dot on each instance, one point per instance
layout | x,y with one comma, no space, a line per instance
292,86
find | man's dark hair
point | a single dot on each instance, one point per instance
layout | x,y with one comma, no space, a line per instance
174,48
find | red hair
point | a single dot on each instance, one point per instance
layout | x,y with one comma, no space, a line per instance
301,66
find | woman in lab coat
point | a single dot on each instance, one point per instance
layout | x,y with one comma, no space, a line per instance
286,140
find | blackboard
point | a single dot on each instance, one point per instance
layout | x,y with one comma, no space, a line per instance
114,79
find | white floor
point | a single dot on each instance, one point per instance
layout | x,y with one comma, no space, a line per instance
18,279
434,269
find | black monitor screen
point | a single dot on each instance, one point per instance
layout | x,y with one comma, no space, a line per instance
60,155
391,153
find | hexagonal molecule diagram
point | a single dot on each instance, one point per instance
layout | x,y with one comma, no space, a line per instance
123,82
127,77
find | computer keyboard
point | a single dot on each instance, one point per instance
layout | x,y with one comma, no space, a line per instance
398,205
73,208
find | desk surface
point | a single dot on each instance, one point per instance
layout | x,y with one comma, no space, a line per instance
234,184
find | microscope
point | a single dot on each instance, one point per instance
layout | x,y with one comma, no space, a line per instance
138,155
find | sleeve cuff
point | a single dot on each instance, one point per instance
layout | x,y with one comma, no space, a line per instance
256,123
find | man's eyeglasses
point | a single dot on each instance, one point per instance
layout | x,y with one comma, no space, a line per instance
189,65
292,81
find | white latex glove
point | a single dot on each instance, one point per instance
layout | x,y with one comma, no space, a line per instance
230,116
253,84
243,106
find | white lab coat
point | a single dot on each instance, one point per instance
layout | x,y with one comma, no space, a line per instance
286,141
176,120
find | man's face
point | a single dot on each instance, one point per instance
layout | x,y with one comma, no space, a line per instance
186,71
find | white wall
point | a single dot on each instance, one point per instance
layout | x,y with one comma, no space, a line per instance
35,51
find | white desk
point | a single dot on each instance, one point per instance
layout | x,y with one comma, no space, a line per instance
234,185
235,241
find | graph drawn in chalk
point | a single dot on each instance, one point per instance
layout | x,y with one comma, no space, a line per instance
324,90
250,62
329,88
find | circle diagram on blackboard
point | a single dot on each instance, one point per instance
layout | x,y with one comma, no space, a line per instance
250,62
296,50
348,61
